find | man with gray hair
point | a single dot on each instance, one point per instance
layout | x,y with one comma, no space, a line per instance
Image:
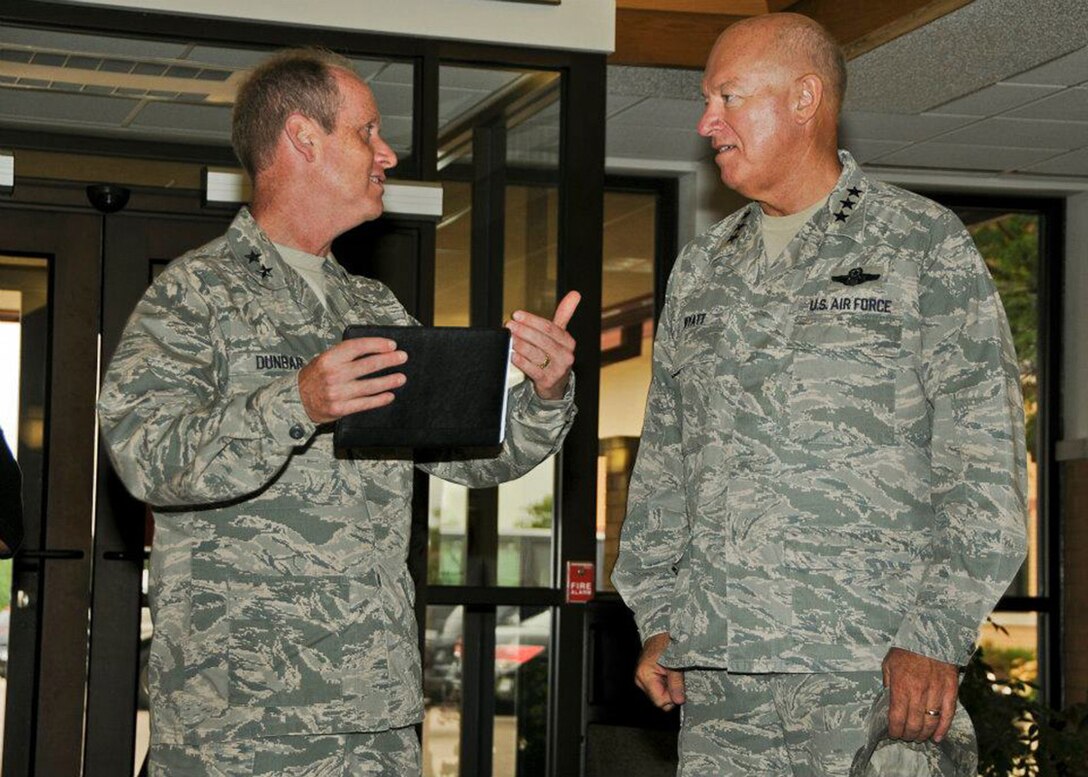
285,637
829,495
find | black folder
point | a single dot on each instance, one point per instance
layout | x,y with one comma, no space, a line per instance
454,396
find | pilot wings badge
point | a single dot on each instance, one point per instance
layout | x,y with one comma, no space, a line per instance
855,277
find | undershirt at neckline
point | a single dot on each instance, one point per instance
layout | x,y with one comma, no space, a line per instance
778,231
310,267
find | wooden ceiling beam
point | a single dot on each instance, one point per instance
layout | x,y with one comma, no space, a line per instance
671,39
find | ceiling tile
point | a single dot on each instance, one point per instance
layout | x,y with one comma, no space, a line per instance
390,72
1021,133
392,99
1073,163
1068,105
1063,71
72,109
859,125
614,103
212,121
454,102
238,59
954,156
655,143
995,99
486,79
662,112
871,150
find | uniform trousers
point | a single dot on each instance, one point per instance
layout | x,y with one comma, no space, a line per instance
774,725
393,753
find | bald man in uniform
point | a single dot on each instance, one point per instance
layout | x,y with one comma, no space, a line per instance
829,495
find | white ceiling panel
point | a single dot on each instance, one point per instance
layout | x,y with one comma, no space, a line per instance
995,99
655,143
66,108
1064,71
454,102
238,59
1022,133
392,99
211,121
859,125
661,112
1073,163
614,103
395,73
865,151
1068,105
484,79
952,156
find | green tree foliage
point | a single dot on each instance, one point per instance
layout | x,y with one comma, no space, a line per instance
1010,245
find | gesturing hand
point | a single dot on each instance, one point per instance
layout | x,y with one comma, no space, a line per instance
543,350
330,384
664,686
919,686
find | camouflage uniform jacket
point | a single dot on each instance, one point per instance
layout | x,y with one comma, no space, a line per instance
833,460
281,599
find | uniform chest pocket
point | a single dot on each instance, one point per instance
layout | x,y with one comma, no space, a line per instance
842,392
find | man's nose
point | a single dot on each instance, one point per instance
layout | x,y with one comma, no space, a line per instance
387,157
708,122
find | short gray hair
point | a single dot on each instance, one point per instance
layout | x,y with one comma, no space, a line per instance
297,80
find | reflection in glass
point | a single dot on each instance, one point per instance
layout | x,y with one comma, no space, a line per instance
1009,242
24,328
627,311
526,516
522,636
118,86
442,691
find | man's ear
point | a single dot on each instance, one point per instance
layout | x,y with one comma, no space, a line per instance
809,94
301,134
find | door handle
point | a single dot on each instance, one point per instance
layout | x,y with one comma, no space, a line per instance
51,555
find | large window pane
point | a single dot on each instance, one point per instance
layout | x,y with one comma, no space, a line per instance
24,328
181,93
1009,242
627,311
522,636
442,691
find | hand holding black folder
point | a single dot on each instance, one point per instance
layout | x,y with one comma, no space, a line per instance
454,396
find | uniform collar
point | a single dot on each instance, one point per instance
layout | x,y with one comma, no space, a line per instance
254,252
846,203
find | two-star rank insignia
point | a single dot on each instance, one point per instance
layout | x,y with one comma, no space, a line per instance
855,277
738,228
253,256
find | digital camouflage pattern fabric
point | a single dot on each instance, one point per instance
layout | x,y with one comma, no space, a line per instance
278,586
813,724
393,753
833,459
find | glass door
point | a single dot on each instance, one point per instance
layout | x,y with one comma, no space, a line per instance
49,303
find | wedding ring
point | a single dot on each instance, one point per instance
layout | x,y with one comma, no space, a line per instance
544,364
933,713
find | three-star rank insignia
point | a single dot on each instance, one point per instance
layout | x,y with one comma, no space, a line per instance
847,203
855,277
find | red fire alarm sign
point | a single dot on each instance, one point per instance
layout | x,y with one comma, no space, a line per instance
580,581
